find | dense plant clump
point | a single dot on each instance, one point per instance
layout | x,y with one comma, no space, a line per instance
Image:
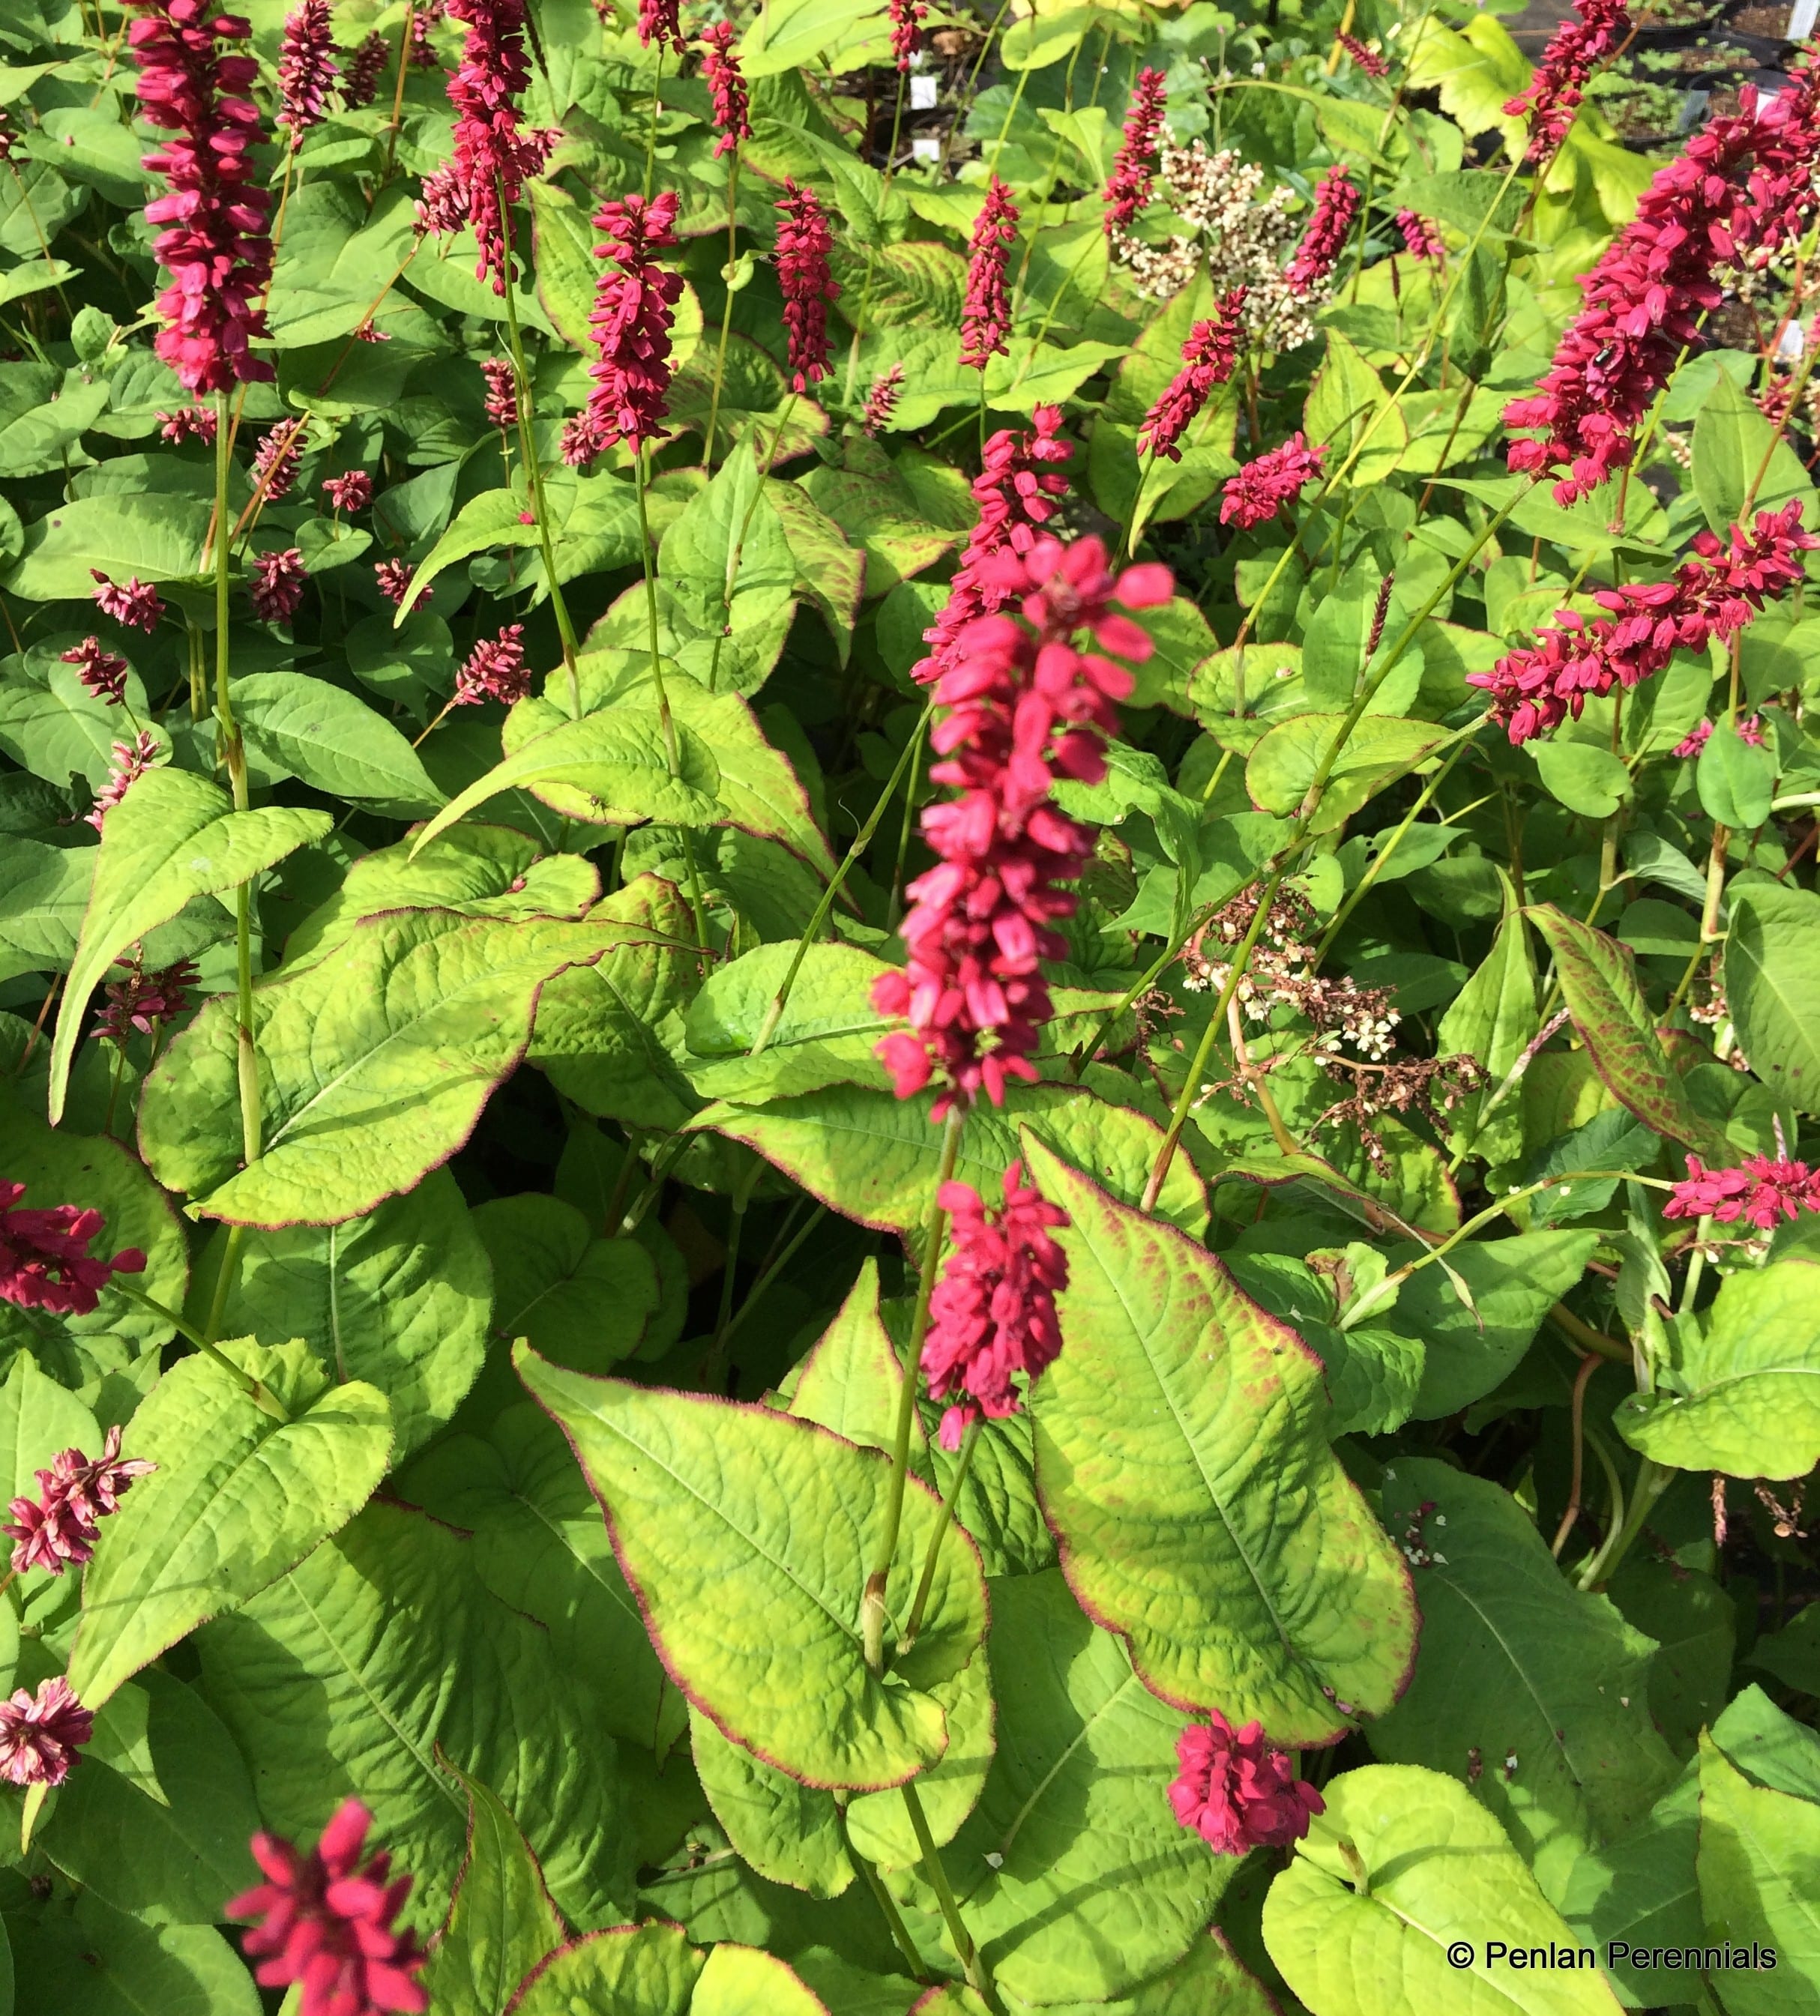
910,1010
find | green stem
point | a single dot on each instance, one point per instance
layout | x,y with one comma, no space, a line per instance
261,1395
665,722
900,1936
965,1951
772,1272
872,1612
951,1498
825,906
1381,859
715,1367
733,255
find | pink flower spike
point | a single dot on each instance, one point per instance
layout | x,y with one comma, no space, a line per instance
907,17
58,1528
365,69
1265,484
1207,359
496,670
804,242
327,1924
351,493
276,461
142,1000
131,760
1368,60
138,604
102,673
660,21
307,69
1336,203
630,322
1575,51
44,1261
40,1736
1237,1791
881,401
1127,188
494,155
1420,238
394,577
985,316
727,83
502,396
187,422
1762,1192
278,585
1692,744
215,245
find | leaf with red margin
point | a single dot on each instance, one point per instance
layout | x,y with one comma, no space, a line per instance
1183,1463
501,1922
1614,1022
741,1981
631,1969
746,1536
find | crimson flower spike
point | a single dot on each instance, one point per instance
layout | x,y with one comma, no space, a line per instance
804,244
494,155
1128,187
216,245
1207,359
44,1261
1237,1791
985,317
307,70
1336,203
630,321
726,84
1575,51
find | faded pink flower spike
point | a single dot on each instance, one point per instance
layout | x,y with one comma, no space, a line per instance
804,242
394,577
630,323
102,672
496,670
351,493
881,401
44,1261
216,244
1420,238
365,69
1015,492
1367,60
985,316
720,72
1237,1791
307,69
138,604
993,1313
502,396
1025,706
1744,187
188,422
1207,359
58,1528
276,461
142,1000
131,760
327,1924
1270,481
1127,188
1762,1192
278,580
1715,594
40,1736
1336,203
1575,51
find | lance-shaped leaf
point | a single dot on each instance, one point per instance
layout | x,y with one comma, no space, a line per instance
1402,1873
874,1157
379,1660
1516,1665
173,836
494,518
502,1922
1615,1024
309,729
1744,1397
238,1498
1073,1872
747,1537
1182,1461
757,787
631,1969
617,765
374,1064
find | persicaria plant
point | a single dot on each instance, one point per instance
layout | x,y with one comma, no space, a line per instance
909,1010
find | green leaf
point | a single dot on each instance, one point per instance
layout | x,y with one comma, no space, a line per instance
41,908
306,727
614,769
631,1969
828,1034
398,1298
171,837
494,518
237,1499
81,1957
1772,986
381,1649
1493,1019
1734,446
540,1546
95,1174
1642,1890
38,1419
55,729
1743,1395
584,1302
479,871
810,33
1585,778
1280,770
1513,1284
873,1156
1760,1883
788,1831
502,1923
1736,779
742,1530
173,1850
156,537
1401,1868
1614,1023
374,1064
1513,1663
742,1981
1182,1461
1073,1873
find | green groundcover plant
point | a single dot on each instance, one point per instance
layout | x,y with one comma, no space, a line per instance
911,1014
